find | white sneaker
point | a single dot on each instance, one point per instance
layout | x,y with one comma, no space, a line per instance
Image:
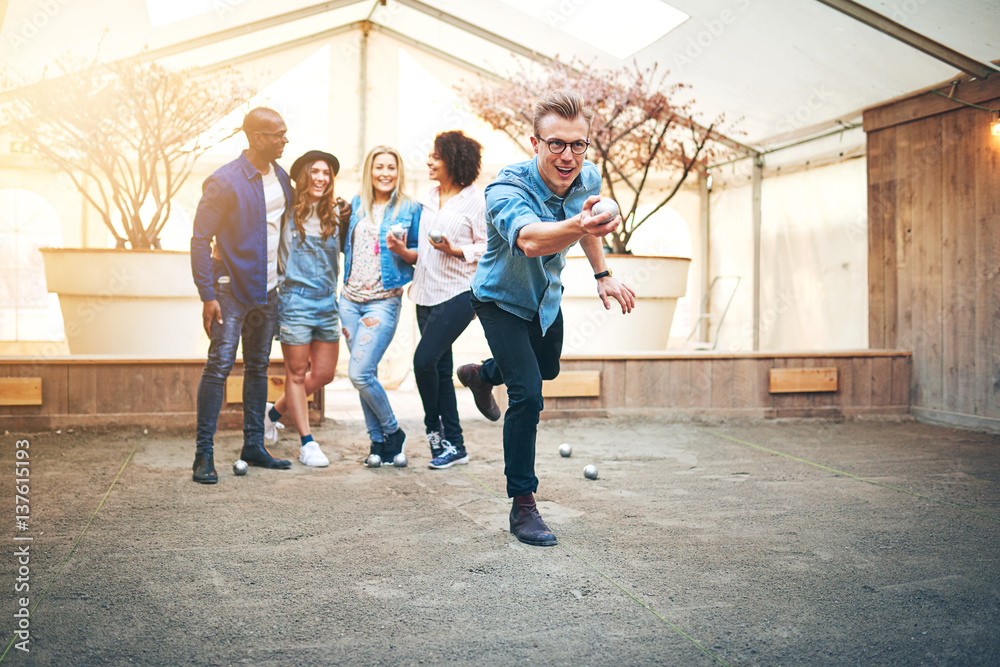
312,455
271,428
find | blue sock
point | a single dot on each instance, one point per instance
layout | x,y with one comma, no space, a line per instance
273,414
306,439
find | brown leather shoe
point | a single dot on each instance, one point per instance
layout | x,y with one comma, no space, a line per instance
482,390
526,523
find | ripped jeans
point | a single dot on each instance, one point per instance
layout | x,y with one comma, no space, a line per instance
368,329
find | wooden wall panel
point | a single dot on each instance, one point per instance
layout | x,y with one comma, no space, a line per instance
933,178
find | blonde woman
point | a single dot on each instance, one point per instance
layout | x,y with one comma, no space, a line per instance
308,320
377,264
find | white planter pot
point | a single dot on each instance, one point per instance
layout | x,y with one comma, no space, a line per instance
590,329
127,302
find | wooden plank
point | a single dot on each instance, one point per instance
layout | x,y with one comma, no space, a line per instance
744,383
881,382
927,104
901,381
275,388
800,380
81,390
862,382
987,206
722,383
573,383
21,391
930,190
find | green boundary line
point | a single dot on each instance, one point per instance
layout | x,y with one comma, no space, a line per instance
614,583
847,474
73,549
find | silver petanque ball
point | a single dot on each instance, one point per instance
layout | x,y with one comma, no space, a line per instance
606,205
240,467
436,235
565,450
374,461
400,460
398,230
590,472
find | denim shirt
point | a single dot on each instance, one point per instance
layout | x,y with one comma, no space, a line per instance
232,211
395,272
307,267
522,285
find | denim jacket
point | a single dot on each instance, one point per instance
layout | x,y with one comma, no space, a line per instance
395,272
232,211
522,285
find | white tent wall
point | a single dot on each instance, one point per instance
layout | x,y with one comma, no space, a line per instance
814,250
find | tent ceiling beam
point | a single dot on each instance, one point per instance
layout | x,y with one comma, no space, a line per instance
278,48
437,53
911,38
240,30
474,29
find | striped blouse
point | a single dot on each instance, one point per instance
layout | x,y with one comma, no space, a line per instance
439,276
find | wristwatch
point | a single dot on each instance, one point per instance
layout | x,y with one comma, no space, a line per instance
602,274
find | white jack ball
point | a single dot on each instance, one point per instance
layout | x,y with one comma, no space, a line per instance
606,205
565,450
240,467
590,472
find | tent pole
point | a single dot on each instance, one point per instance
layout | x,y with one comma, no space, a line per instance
363,96
758,173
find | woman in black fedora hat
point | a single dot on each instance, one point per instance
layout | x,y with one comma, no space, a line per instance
308,317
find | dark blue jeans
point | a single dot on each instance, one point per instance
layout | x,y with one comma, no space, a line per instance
522,358
255,324
440,326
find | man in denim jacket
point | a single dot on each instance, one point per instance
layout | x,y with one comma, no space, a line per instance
241,209
536,210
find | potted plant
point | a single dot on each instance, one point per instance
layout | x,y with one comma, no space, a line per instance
639,130
127,135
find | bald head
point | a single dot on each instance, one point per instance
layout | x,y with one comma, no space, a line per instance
260,119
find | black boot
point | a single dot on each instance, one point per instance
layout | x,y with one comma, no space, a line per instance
260,457
526,523
204,468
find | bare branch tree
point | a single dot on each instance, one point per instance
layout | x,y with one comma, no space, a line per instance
638,130
132,132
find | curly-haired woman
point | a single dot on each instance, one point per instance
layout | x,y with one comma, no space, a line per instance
308,320
452,239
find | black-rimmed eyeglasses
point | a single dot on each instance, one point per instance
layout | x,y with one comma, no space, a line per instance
557,146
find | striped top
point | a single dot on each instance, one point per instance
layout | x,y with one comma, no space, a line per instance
439,276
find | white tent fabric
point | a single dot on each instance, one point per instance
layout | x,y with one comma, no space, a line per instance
791,75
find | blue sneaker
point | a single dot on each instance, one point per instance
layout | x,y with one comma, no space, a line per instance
437,444
450,456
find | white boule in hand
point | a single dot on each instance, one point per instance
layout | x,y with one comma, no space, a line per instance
606,205
436,235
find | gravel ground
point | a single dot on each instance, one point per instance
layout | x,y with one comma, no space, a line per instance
701,543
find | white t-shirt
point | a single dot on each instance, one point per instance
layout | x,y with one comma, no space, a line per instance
274,200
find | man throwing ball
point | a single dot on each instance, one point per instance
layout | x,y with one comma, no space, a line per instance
536,210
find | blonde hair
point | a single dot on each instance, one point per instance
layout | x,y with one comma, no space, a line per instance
565,104
326,208
368,185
